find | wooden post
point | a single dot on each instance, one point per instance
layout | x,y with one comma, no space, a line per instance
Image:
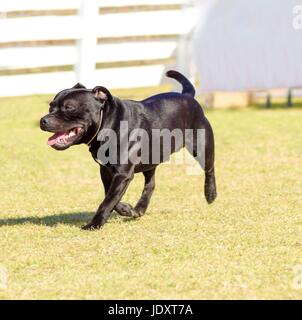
268,103
289,98
87,44
250,98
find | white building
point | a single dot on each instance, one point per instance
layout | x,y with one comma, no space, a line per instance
244,45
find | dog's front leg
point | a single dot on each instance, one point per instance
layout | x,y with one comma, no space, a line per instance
116,190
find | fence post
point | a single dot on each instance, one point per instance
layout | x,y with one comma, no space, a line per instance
87,43
268,102
289,98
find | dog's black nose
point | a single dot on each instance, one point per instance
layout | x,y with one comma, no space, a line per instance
43,122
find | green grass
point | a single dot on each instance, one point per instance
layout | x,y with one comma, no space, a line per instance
243,246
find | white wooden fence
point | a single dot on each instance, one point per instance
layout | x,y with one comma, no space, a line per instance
48,45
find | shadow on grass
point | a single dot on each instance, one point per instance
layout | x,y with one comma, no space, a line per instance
75,218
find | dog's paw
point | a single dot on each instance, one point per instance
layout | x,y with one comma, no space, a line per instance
211,195
91,226
140,210
210,189
125,209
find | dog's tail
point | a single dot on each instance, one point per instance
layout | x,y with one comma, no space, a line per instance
187,87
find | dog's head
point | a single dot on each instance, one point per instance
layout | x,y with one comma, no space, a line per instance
74,115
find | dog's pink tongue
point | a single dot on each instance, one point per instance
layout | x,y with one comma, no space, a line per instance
55,138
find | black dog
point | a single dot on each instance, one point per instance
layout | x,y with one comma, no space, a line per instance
79,115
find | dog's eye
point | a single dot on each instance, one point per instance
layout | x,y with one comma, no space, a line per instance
68,107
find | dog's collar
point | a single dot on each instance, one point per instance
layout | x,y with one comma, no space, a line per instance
98,130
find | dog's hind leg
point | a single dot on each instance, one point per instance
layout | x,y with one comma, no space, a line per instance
210,189
204,153
145,198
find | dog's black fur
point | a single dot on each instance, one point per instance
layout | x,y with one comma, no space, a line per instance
85,109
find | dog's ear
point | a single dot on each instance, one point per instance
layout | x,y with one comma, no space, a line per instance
78,86
102,94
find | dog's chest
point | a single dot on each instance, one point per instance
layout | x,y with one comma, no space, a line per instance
94,153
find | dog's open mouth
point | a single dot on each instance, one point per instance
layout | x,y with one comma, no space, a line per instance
65,138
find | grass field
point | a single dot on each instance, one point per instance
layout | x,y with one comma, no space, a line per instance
244,246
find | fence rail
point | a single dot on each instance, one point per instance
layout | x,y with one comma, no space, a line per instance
130,43
35,5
